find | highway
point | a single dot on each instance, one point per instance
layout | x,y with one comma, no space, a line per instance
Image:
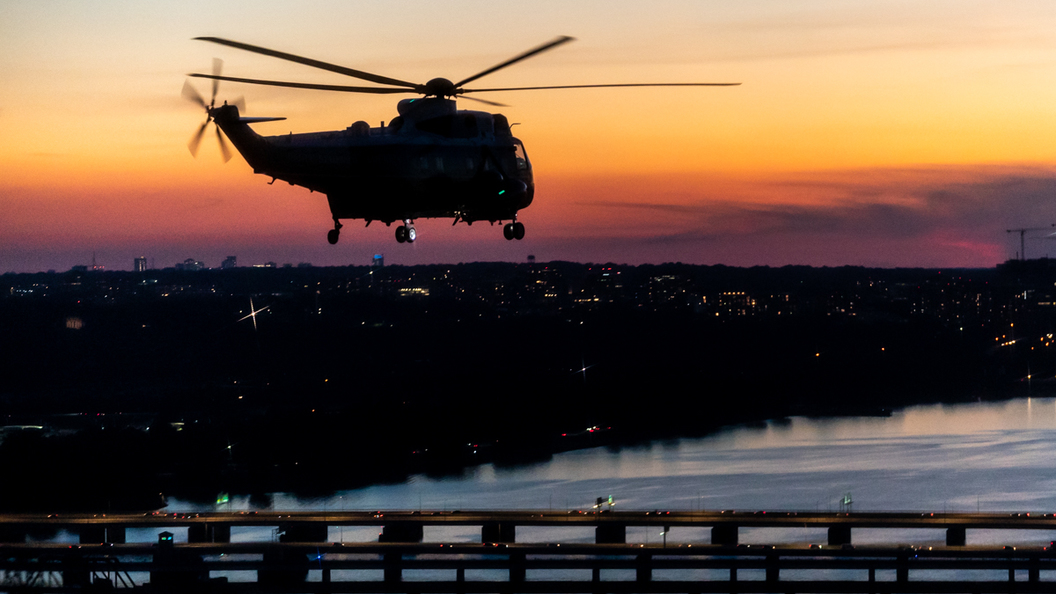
526,518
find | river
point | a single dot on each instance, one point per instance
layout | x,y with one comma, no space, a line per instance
986,456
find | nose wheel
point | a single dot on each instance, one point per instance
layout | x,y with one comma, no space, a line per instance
514,230
334,234
405,233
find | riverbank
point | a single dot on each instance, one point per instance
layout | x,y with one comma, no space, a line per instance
344,383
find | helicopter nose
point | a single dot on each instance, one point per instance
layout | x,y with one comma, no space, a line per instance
515,190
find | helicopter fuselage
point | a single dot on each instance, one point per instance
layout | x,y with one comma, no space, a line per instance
433,161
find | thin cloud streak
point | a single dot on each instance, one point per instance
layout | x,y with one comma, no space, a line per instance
883,209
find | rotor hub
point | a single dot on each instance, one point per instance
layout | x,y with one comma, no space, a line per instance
440,87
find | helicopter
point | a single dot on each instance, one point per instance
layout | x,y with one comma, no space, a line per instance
432,160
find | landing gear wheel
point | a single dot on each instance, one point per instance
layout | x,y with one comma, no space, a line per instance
411,235
401,234
332,236
507,231
518,231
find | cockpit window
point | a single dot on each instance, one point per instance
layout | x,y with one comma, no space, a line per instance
522,157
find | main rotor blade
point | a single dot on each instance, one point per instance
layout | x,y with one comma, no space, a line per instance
374,78
218,66
528,54
485,101
191,94
294,85
601,86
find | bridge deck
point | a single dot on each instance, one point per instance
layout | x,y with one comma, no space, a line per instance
303,560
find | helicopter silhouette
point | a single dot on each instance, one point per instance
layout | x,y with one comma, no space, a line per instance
431,161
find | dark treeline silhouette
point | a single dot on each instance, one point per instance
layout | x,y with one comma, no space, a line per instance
158,382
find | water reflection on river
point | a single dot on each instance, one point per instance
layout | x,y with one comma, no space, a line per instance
965,457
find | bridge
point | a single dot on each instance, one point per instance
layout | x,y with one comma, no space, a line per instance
303,558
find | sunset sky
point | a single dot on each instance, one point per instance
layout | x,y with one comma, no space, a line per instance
865,133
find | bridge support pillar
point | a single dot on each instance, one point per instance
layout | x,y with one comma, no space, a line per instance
393,563
99,533
303,533
773,569
839,535
610,534
198,533
92,534
221,533
401,533
724,534
498,532
517,568
957,536
643,567
902,569
209,533
285,569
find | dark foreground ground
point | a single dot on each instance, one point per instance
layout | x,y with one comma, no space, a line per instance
160,391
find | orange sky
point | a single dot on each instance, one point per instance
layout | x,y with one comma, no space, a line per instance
875,133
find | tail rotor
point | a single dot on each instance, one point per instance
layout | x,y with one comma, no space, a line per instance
193,96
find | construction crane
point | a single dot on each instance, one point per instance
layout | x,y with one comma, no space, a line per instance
1022,232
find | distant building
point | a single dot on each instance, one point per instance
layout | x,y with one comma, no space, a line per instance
140,264
190,264
736,303
378,261
228,263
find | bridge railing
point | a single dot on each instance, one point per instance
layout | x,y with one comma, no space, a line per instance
379,567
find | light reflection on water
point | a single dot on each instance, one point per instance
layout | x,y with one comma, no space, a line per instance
966,457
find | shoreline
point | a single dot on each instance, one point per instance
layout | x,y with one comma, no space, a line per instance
146,491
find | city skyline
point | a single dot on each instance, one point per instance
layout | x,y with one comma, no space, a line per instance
876,134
